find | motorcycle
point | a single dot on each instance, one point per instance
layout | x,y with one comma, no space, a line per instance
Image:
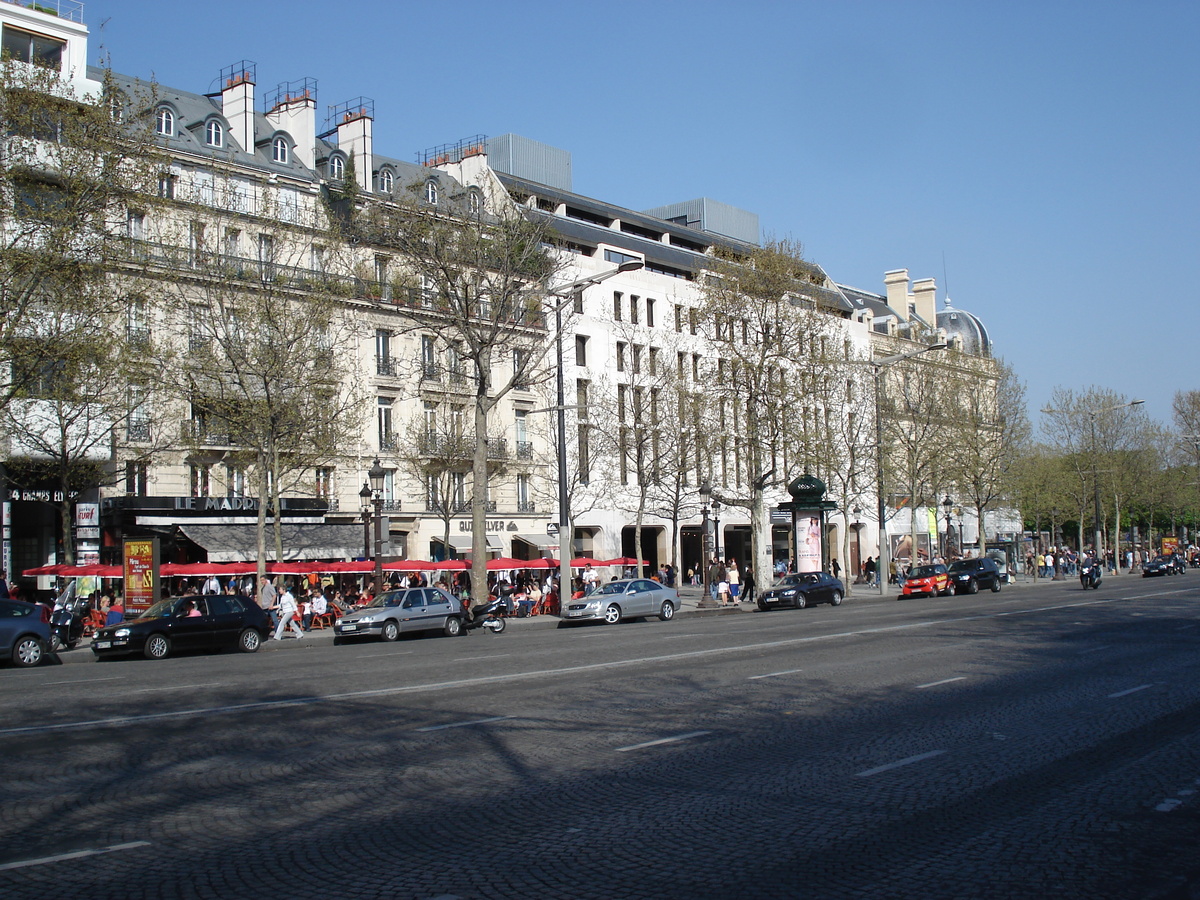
67,620
484,616
1089,575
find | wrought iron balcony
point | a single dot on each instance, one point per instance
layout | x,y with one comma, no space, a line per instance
137,430
137,338
526,506
385,367
524,450
497,448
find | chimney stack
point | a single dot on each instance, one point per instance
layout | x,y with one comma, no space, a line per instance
237,102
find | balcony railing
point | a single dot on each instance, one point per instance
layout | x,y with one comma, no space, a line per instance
385,367
137,338
392,505
526,506
497,448
137,431
388,442
524,450
201,433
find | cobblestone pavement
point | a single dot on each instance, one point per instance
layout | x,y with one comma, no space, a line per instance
1044,742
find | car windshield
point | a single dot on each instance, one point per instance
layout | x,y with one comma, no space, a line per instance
966,565
390,598
925,571
800,578
614,587
161,609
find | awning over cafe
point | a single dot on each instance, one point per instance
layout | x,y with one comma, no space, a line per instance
463,542
239,543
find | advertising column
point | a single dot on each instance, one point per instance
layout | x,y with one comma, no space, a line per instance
142,588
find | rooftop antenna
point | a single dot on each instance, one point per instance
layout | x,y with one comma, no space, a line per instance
945,278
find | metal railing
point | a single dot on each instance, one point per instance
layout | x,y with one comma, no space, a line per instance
524,450
71,10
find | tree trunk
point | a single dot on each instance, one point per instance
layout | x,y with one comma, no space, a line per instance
479,480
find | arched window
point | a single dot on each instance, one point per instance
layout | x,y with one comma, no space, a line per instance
279,150
386,181
475,201
431,192
213,133
337,168
164,121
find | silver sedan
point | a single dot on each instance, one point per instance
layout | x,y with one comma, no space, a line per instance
632,598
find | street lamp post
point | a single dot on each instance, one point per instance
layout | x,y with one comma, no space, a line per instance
946,505
364,497
706,600
566,531
716,511
877,366
376,475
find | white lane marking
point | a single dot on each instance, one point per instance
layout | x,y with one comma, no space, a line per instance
78,854
178,687
666,740
908,761
776,674
1130,691
1095,649
79,681
536,674
1168,805
473,658
943,681
1185,627
464,724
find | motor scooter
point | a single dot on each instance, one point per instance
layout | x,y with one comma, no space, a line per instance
484,616
1089,574
67,620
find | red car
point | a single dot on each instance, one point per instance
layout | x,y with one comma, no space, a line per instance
927,581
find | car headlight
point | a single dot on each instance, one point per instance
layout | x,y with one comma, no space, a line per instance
121,633
337,621
790,593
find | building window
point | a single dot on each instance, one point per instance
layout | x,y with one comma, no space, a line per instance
381,277
617,296
213,133
166,186
637,359
581,343
614,256
33,48
678,318
135,226
323,486
266,257
383,352
653,362
581,398
649,312
164,122
585,460
384,412
431,193
520,364
386,181
337,168
429,366
199,478
577,301
620,356
523,504
136,479
279,150
692,320
235,481
475,201
138,423
633,308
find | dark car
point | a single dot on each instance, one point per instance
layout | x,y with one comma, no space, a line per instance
24,631
967,576
398,612
169,626
803,589
1161,565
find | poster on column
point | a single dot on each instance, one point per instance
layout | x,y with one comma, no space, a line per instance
808,543
141,576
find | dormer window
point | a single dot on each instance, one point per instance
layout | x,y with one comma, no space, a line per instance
164,122
431,193
279,150
386,181
337,168
213,133
475,201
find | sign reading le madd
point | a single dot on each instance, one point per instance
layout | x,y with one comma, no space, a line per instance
141,575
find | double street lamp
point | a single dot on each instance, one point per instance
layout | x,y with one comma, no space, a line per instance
877,366
376,475
947,505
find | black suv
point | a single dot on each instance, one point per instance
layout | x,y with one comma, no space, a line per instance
967,576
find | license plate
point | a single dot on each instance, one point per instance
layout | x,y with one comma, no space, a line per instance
349,628
575,612
102,645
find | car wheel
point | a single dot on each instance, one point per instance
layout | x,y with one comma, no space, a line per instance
249,641
612,615
390,631
763,606
972,586
800,602
158,646
996,586
28,651
667,611
835,599
453,627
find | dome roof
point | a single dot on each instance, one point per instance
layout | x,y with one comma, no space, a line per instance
962,324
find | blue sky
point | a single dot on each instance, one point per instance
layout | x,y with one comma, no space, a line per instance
1047,151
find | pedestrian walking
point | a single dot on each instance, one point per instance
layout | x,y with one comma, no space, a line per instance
748,585
287,615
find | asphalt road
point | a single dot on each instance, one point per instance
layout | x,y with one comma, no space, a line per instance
1043,742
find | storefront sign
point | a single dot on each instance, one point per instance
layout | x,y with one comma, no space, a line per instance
489,525
87,515
141,575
